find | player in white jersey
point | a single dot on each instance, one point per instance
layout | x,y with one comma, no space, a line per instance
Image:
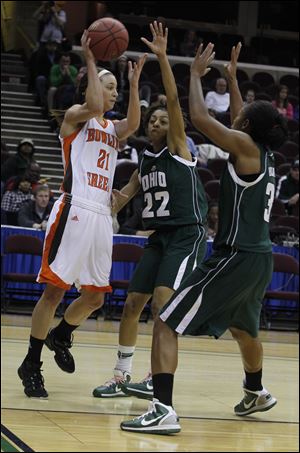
78,243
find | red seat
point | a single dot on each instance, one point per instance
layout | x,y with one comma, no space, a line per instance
123,173
278,209
264,79
290,150
213,189
285,264
205,175
279,159
283,169
289,221
25,245
123,253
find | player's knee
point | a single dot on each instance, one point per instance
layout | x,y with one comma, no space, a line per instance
52,296
95,301
133,306
155,309
239,335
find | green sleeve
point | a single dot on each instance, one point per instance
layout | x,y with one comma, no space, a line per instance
55,76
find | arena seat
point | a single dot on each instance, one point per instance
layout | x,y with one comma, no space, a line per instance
291,81
122,253
212,188
25,245
205,175
286,310
264,79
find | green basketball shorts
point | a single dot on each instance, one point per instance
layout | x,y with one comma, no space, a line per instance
169,257
224,291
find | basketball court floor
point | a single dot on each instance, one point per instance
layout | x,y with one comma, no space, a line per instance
207,386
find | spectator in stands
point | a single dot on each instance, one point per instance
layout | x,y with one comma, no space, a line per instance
208,151
288,187
281,102
54,21
62,83
17,165
189,44
127,152
218,99
13,199
212,220
249,96
35,213
40,65
162,99
134,225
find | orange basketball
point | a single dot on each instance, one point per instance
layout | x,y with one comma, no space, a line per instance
109,38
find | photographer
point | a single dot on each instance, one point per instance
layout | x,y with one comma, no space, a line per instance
51,19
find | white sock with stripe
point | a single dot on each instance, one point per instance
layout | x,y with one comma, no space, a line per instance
125,356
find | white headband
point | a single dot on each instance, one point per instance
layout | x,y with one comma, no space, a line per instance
103,72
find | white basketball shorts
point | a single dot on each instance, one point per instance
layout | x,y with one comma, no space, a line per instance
78,247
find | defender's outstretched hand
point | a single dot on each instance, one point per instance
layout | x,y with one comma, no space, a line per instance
160,39
231,67
202,60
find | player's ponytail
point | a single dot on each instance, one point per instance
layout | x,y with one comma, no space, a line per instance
267,125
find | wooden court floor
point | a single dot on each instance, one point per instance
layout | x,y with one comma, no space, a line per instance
207,386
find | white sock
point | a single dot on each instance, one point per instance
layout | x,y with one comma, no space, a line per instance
125,356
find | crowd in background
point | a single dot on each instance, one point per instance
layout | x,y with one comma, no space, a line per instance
54,74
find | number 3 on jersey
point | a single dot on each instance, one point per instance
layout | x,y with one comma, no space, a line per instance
161,211
103,159
270,191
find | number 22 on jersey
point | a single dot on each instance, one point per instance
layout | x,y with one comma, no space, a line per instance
161,211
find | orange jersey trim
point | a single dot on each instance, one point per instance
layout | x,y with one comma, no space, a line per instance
46,274
67,146
97,289
106,123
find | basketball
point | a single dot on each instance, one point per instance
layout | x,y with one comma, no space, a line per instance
109,38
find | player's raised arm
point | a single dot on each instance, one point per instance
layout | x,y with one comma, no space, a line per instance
176,135
94,94
131,123
236,101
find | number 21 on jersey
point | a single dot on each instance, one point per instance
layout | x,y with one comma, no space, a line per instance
103,159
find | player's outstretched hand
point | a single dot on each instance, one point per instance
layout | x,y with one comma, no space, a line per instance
160,39
135,69
202,60
231,67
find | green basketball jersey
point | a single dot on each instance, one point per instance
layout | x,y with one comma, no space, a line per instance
173,193
245,208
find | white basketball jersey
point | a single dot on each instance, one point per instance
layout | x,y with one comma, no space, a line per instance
89,158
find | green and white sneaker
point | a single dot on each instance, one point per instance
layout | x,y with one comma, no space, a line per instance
143,389
112,388
160,419
258,401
